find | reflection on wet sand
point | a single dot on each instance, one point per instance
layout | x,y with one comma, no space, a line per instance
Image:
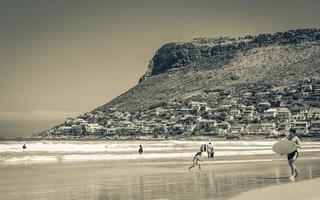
206,184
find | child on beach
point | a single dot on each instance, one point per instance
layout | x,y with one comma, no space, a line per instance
196,159
292,157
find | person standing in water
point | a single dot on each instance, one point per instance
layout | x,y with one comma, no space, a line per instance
140,151
203,148
292,157
196,159
210,150
24,146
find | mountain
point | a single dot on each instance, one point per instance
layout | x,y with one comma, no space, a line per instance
180,70
252,85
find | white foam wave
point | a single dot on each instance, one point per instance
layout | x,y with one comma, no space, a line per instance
31,159
95,147
239,143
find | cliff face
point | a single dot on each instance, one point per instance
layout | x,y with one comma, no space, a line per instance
184,70
216,52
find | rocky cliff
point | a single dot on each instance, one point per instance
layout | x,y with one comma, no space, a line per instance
189,69
217,52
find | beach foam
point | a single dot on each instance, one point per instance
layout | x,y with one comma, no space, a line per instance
31,159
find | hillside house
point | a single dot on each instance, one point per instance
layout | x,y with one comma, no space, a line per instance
76,129
93,128
315,128
235,112
237,129
265,105
196,104
306,88
223,126
298,117
268,128
252,129
248,111
206,125
283,114
270,113
314,113
301,127
283,127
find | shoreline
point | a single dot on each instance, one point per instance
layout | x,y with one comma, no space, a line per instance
299,190
146,139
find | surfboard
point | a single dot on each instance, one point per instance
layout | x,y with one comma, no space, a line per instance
284,147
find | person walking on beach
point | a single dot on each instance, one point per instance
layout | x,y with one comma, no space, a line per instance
196,159
140,151
210,150
292,157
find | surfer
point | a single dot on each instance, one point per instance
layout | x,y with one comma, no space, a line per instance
210,150
292,157
140,151
196,159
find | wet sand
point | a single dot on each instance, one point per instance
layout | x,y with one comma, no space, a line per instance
305,190
140,179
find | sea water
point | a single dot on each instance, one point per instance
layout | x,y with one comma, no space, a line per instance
11,152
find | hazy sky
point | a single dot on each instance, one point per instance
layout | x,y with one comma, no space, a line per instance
63,57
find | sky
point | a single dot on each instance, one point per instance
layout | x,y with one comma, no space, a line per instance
64,57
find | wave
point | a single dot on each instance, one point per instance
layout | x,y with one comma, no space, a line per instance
126,147
102,157
31,159
129,156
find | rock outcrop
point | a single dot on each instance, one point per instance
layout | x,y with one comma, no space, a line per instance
216,52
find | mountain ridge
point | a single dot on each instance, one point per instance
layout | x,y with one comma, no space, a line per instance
271,52
200,51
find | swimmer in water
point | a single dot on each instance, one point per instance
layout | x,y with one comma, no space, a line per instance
140,149
24,146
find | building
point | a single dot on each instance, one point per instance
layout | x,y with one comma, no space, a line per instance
248,110
65,129
237,129
298,117
314,113
94,128
268,128
283,128
270,113
223,126
283,114
301,127
252,129
235,112
206,124
315,128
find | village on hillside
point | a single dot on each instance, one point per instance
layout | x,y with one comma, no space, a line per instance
263,111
